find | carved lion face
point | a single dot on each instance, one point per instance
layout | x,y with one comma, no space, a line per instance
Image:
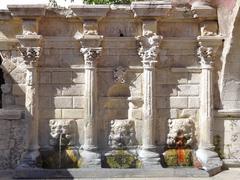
181,132
122,133
62,132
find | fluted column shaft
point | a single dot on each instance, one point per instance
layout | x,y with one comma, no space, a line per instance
206,108
148,105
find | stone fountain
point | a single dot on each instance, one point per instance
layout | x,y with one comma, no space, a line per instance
114,90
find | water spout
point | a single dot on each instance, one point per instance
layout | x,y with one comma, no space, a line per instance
60,151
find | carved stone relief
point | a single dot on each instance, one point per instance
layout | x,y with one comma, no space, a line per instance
90,55
205,54
181,133
30,54
62,131
149,46
209,28
122,134
119,75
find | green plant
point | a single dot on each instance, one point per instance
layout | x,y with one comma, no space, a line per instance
122,159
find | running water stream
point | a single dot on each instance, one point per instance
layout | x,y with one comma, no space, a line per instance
60,152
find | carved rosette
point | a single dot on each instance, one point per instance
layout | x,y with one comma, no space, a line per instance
119,75
149,48
91,55
30,55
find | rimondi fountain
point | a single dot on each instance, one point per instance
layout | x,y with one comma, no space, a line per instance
111,91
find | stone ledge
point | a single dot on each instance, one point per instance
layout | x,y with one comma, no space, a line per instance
5,15
10,114
8,44
228,114
110,173
90,11
30,11
231,163
187,69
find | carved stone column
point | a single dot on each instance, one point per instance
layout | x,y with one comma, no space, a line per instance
91,54
149,50
30,49
205,153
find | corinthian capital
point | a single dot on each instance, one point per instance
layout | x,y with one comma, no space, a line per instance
30,54
206,55
149,46
90,55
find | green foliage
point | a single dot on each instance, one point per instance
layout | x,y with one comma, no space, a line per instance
122,159
69,159
107,1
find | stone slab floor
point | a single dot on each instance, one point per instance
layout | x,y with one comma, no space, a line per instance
231,174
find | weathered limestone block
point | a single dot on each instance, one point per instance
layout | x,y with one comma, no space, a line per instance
122,134
18,89
193,102
45,77
73,113
78,102
63,102
73,90
62,77
178,102
50,113
188,90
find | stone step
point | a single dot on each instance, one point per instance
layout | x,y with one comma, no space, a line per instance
111,173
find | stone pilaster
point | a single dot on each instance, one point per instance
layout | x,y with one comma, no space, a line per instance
31,49
91,50
148,51
207,50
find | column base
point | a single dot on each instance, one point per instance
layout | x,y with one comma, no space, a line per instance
210,160
91,159
30,159
149,157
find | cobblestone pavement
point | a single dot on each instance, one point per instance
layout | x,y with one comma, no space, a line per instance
231,174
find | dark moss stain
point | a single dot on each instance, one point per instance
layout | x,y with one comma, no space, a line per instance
121,159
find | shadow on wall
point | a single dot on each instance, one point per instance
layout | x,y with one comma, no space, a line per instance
13,124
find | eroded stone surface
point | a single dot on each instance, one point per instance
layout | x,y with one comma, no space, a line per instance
136,64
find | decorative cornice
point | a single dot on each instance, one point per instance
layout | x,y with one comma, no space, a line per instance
207,51
28,11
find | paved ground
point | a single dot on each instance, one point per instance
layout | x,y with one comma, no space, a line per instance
231,174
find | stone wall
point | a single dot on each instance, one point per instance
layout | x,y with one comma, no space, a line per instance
13,133
58,86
